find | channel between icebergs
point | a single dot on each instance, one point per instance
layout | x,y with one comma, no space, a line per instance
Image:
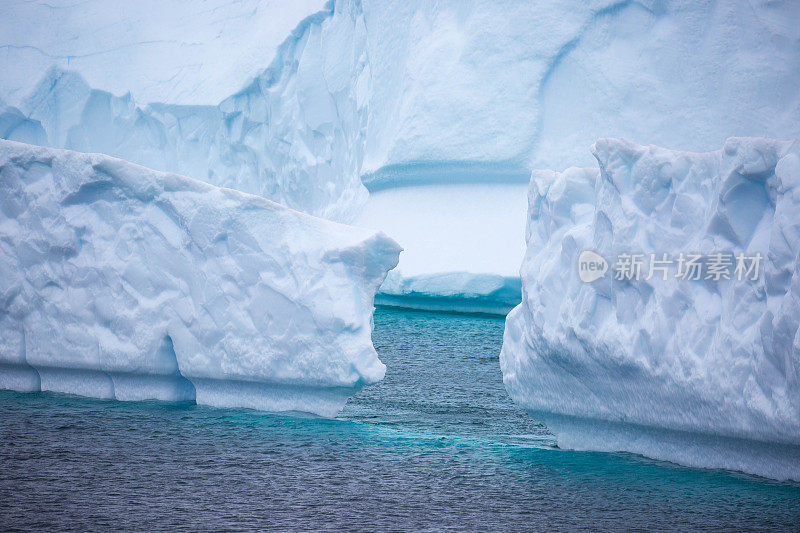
693,372
463,243
117,281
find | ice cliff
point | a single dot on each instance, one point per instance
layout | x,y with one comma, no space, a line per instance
399,93
117,281
292,134
696,370
413,92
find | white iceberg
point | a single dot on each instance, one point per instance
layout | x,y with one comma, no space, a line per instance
117,281
392,94
701,372
394,91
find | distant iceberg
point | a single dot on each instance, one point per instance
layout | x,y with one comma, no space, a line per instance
463,243
702,371
117,281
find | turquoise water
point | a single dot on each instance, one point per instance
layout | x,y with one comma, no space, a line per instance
437,444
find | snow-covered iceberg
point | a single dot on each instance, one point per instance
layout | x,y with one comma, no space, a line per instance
703,372
117,281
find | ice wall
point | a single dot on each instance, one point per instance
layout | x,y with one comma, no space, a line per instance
293,134
117,281
469,88
703,372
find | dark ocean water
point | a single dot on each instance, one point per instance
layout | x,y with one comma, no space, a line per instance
436,445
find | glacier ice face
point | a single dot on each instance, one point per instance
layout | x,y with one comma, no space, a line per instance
241,143
704,373
293,134
117,281
396,91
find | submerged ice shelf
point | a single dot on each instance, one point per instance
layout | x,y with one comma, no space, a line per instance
117,281
700,372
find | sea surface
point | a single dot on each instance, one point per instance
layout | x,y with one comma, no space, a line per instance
436,445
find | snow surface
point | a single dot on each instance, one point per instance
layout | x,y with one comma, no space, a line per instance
117,281
704,373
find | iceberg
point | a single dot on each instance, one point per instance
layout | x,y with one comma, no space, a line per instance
121,282
375,96
702,370
430,91
292,132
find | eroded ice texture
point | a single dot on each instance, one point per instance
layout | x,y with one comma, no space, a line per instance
293,133
703,373
393,92
117,281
